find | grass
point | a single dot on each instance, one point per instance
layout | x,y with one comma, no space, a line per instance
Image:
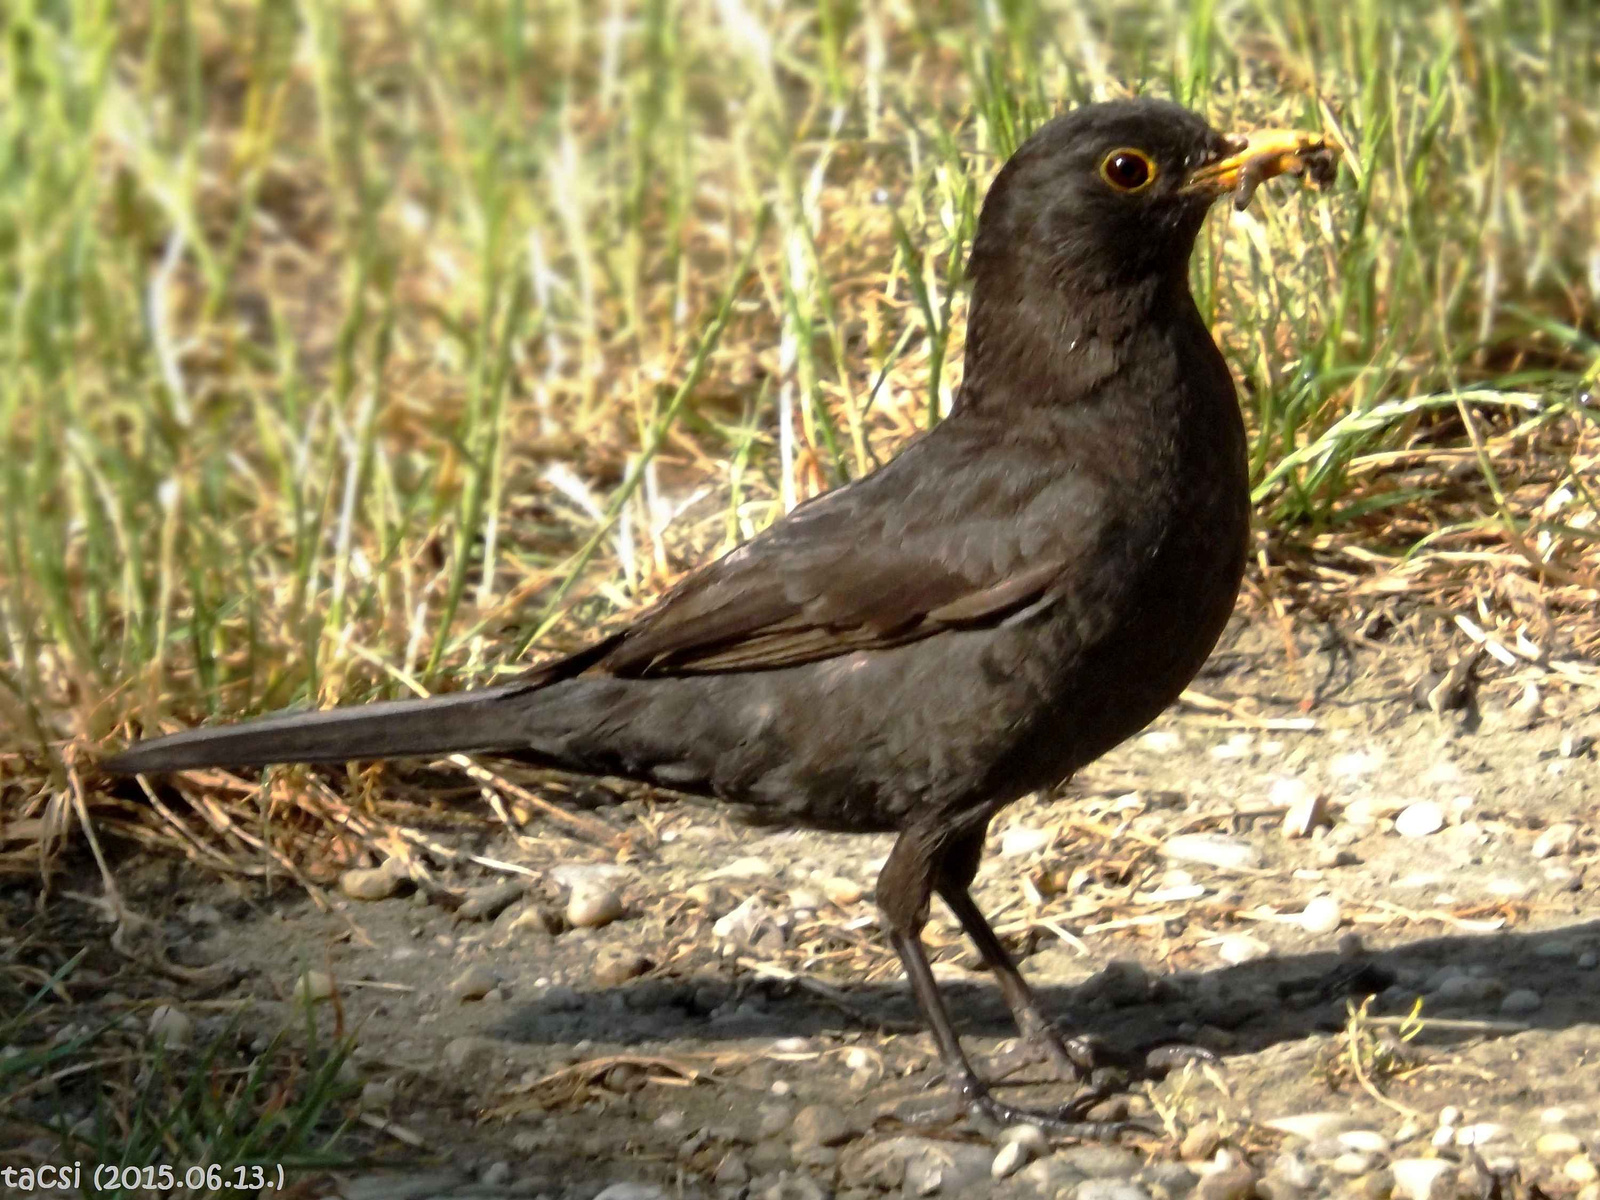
100,1093
345,345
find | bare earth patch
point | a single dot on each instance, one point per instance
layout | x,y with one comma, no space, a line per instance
740,1029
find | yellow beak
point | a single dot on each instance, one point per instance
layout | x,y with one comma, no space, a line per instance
1261,156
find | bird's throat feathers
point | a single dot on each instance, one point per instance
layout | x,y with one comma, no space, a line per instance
1034,338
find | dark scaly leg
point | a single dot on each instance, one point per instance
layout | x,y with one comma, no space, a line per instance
1075,1058
905,889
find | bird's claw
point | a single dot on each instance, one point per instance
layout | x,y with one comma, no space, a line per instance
1165,1058
1068,1121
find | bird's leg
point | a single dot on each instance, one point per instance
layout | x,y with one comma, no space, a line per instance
905,888
1075,1057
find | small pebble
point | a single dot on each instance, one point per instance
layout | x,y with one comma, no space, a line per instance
1313,1127
748,867
1555,841
1236,948
617,965
820,1125
1293,1171
1480,1133
1020,840
1366,1141
1423,1178
467,1053
313,987
1520,1002
171,1027
592,905
1355,764
1420,819
1009,1159
1211,849
804,899
1352,1163
842,891
379,1094
1580,1169
1322,914
733,1171
1559,1143
489,901
1103,1189
1231,1183
374,883
1468,989
1588,960
496,1174
1201,1142
473,984
632,1191
1029,1136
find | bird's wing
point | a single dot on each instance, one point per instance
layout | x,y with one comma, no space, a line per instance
860,570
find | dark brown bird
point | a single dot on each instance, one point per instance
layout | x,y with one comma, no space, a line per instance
1020,590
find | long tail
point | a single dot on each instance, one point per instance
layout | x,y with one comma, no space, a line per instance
488,719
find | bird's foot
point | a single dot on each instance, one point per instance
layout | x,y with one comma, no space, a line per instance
1068,1121
1086,1058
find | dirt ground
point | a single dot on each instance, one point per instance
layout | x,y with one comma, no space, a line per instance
743,1031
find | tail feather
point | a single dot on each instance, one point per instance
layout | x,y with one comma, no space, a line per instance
484,720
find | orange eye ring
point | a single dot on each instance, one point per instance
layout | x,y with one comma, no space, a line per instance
1128,170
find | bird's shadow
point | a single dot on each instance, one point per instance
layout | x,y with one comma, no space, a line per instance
1245,1009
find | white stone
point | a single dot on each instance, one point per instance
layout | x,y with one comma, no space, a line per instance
1312,1127
1419,819
1162,741
1580,1169
749,867
1559,1142
170,1026
632,1191
1480,1133
1211,849
1353,1162
1322,914
1009,1159
1289,790
1556,840
312,987
1355,764
1236,948
1422,1178
842,891
1368,1141
1020,840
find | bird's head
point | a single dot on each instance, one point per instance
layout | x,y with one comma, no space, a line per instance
1108,194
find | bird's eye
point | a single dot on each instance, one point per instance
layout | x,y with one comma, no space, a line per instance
1128,170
